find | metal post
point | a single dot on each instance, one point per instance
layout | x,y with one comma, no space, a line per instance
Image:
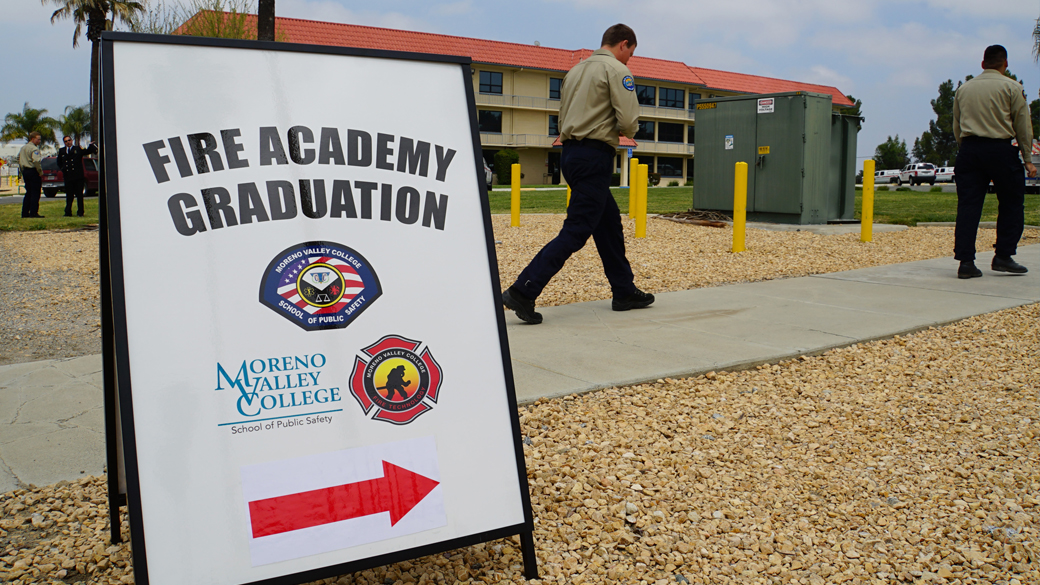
530,559
633,182
640,202
866,226
568,196
514,201
739,205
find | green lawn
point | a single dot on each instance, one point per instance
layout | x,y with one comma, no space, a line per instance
658,200
52,211
900,207
912,207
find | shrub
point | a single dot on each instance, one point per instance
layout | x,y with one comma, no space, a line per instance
935,189
673,183
883,188
904,189
654,179
689,183
504,161
615,180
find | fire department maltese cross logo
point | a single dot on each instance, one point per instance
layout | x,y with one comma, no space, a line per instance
397,382
319,285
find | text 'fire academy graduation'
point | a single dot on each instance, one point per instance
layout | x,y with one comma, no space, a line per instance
316,198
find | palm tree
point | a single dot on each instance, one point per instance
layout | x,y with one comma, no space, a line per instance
18,126
75,122
94,14
1036,41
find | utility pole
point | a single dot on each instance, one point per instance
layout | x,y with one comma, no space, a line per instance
265,20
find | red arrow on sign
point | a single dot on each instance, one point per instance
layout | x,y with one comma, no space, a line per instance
397,492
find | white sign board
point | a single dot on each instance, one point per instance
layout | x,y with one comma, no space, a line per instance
766,105
729,142
313,359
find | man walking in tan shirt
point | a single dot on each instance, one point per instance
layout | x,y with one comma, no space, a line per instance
597,104
988,111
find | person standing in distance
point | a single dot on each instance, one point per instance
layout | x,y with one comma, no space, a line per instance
597,104
30,160
988,111
70,161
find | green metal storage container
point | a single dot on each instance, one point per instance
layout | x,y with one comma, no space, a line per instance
794,174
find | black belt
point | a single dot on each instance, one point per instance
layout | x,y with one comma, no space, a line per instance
593,143
986,140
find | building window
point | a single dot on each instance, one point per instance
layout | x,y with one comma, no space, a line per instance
689,134
646,94
693,99
554,125
489,121
490,82
672,98
646,131
554,88
648,161
670,133
690,168
669,166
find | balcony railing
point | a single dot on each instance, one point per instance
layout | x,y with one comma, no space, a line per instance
517,101
544,141
518,140
671,113
663,147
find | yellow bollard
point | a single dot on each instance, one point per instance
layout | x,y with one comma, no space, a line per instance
866,225
640,202
514,200
633,176
568,196
739,205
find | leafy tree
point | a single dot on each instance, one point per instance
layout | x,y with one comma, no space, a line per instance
504,161
1034,114
75,122
95,15
891,154
226,19
937,145
20,125
855,109
1036,41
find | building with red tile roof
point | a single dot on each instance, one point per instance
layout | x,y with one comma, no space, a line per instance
516,87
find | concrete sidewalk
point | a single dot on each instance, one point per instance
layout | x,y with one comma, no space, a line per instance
52,422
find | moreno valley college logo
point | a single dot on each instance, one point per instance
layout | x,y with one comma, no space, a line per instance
319,285
396,382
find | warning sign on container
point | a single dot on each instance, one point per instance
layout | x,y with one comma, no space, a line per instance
766,105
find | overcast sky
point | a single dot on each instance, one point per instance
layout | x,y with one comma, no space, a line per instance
892,54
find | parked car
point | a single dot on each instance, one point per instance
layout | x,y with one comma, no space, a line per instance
944,175
918,173
53,180
886,177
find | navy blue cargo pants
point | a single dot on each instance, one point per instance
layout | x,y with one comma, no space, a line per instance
980,160
587,165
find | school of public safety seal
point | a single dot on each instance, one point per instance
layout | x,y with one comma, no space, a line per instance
319,285
397,381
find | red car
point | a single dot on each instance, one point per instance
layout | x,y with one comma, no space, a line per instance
53,181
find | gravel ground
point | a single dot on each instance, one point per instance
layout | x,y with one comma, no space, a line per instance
908,460
913,459
49,291
49,283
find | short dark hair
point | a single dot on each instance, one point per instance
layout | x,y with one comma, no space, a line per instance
994,57
617,33
33,135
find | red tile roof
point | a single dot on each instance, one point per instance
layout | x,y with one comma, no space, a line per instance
741,82
519,55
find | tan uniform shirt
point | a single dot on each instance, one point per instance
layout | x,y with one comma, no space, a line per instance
30,156
598,100
993,106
